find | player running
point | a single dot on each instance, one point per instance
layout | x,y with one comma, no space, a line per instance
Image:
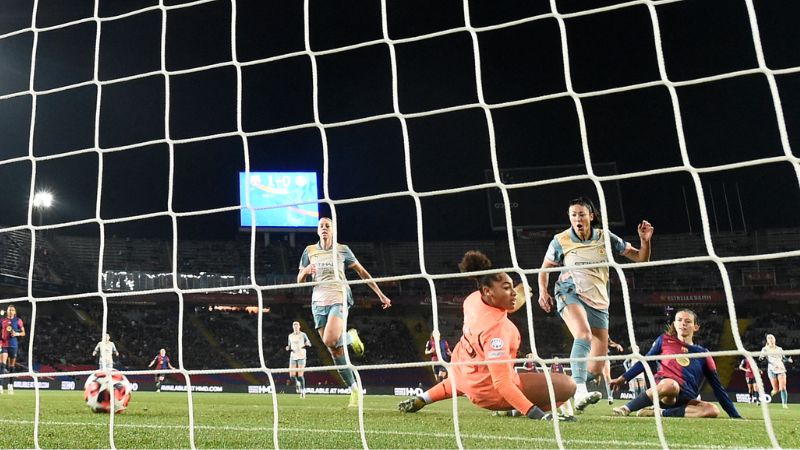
678,379
439,372
490,336
582,295
750,379
330,299
296,345
11,329
161,362
776,370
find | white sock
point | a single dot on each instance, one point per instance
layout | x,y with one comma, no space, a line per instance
427,397
580,390
566,408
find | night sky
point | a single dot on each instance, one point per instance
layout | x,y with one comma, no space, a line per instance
725,121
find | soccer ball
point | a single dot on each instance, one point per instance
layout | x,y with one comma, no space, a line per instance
99,387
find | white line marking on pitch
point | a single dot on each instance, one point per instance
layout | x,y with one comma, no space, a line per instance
614,443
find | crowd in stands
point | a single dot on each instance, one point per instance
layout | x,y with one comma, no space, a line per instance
66,331
785,328
74,260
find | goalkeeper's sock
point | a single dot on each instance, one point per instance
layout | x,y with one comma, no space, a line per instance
439,392
294,380
784,396
642,401
346,373
679,411
302,381
580,349
609,390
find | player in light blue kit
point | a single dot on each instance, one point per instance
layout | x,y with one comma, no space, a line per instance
296,345
582,295
776,369
330,299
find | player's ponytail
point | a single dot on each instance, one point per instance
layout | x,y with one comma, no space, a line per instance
474,261
586,202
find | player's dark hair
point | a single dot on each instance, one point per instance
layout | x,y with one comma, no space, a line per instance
671,327
474,261
587,203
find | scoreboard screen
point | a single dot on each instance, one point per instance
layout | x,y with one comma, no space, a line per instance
278,200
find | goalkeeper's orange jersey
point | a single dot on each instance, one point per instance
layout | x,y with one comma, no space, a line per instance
488,335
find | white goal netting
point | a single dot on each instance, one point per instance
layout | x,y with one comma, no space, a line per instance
140,115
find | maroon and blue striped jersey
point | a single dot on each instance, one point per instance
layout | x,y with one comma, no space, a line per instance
688,372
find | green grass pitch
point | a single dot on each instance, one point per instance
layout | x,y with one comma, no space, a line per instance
161,420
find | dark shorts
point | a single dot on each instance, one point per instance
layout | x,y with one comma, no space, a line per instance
12,352
682,400
750,380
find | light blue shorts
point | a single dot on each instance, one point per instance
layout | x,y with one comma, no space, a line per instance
772,375
598,318
297,362
323,313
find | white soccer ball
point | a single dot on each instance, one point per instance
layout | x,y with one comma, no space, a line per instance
101,385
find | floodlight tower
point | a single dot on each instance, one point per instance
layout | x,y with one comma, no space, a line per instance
42,200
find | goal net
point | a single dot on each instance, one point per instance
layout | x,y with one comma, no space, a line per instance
137,118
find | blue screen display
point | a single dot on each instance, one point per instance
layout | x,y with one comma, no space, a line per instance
269,189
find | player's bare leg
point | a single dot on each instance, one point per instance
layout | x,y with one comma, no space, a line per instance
331,335
575,318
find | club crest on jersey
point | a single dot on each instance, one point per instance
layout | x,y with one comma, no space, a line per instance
496,343
682,361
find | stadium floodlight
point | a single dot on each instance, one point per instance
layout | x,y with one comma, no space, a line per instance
43,200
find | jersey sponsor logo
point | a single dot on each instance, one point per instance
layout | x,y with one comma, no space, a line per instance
496,343
683,361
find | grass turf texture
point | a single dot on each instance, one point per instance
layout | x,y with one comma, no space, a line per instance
322,421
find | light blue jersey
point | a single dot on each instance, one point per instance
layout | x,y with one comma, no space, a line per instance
567,249
332,292
297,343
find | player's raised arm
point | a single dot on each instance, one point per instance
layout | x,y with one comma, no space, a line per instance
364,275
641,254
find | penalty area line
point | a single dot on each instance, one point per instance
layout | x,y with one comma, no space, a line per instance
613,443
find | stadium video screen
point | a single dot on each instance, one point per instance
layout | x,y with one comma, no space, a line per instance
269,189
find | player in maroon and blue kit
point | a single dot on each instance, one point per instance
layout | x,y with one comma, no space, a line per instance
678,379
11,329
750,378
162,363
